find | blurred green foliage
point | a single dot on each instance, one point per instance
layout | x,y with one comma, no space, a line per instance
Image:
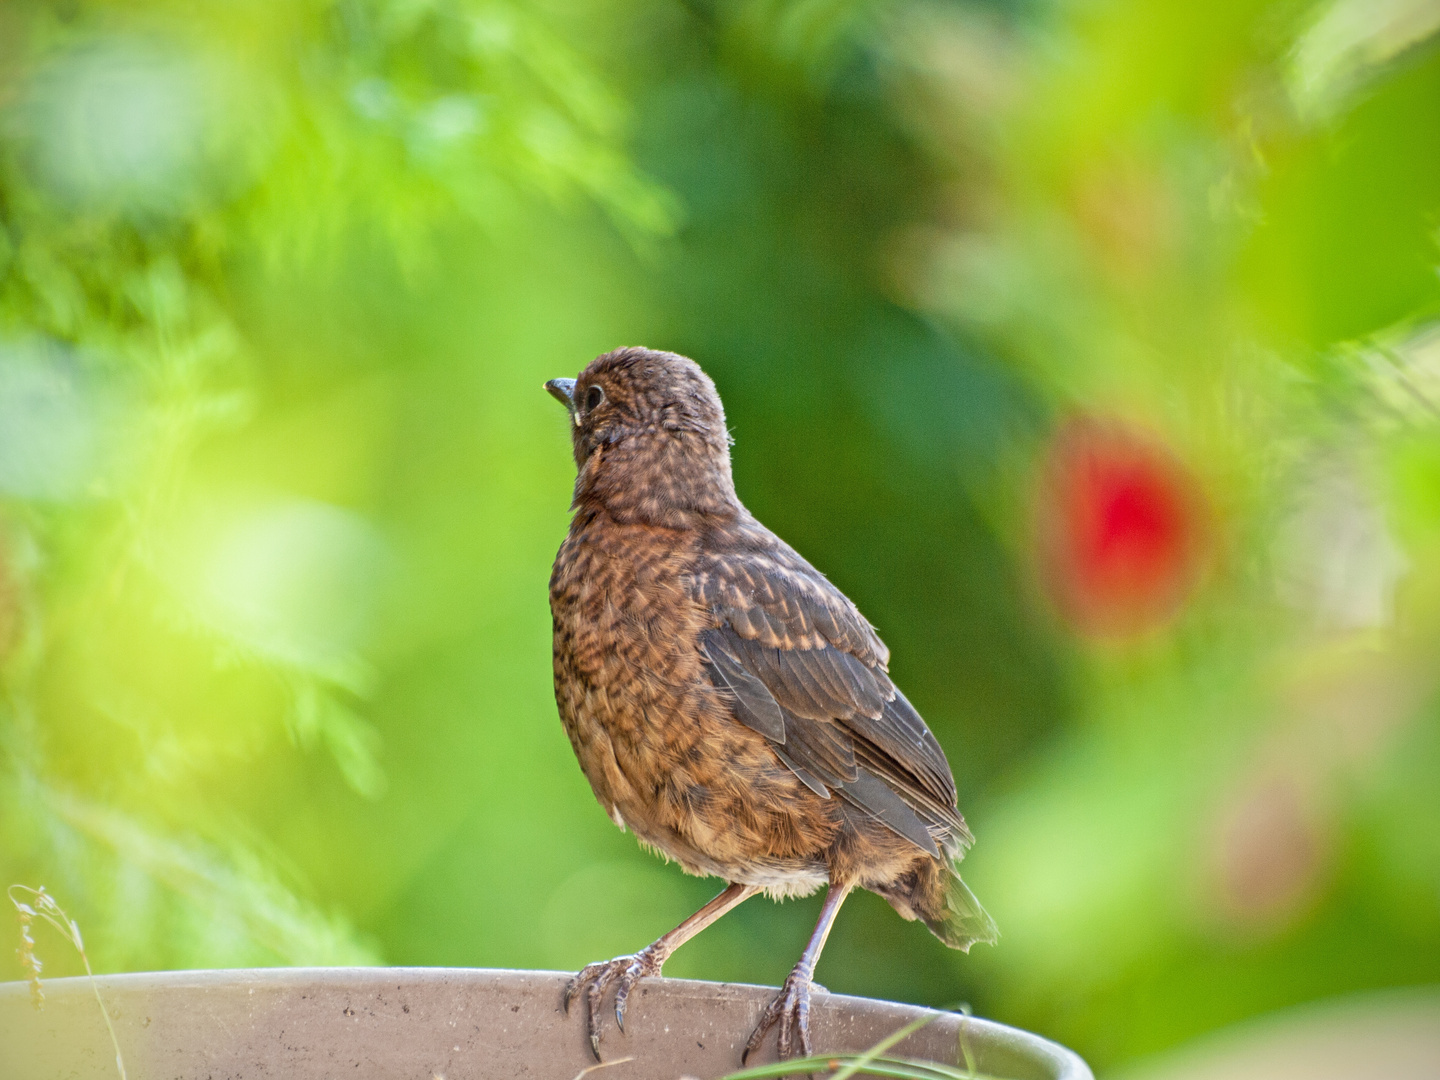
279,284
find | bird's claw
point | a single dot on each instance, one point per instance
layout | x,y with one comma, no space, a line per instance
595,979
791,1010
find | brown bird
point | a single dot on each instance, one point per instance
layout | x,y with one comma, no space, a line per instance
727,703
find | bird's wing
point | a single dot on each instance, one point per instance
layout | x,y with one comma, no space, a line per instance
804,668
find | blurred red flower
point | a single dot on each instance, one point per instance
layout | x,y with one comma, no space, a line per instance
1121,529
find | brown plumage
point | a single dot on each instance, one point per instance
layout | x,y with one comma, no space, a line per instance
726,702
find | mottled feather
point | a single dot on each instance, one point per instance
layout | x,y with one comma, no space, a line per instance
726,702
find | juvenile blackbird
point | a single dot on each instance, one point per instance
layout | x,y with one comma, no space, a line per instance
727,703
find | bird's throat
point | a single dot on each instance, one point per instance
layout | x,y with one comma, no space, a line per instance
673,479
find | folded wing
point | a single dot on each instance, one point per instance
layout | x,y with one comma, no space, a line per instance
803,668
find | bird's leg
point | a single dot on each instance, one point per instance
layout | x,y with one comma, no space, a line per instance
791,1007
596,978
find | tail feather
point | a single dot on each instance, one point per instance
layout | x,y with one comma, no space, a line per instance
934,893
959,921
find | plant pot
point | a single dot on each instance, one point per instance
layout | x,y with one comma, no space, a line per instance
394,1023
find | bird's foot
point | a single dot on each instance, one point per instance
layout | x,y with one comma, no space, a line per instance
595,979
791,1010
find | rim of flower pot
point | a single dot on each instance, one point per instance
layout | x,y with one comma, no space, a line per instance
454,1023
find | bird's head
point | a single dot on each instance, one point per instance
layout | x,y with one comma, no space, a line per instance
648,428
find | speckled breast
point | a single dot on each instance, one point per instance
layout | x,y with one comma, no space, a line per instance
653,735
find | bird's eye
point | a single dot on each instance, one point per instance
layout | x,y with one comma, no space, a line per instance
593,397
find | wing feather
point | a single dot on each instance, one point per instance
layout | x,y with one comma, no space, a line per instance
754,705
804,669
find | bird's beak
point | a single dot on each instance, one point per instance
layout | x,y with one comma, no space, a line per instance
563,391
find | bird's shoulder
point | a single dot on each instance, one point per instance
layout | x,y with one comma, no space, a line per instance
753,581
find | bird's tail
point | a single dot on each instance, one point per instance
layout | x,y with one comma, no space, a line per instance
959,920
934,894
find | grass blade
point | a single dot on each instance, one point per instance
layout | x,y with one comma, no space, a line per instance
870,1063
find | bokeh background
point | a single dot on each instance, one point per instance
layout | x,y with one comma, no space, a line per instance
1086,344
